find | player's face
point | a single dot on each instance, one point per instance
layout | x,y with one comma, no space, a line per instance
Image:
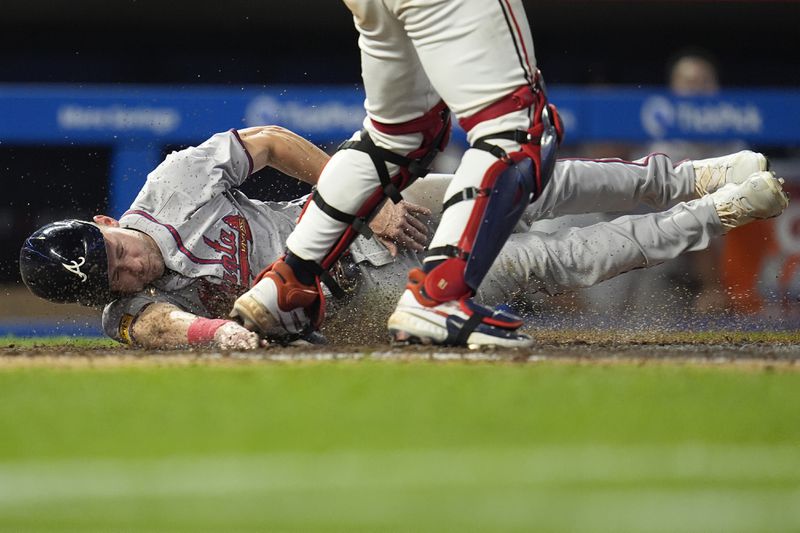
134,260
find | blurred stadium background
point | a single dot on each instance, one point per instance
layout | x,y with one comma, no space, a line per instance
652,437
92,94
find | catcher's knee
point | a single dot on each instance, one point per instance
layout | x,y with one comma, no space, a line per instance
354,208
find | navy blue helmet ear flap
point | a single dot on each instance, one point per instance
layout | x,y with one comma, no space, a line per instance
66,262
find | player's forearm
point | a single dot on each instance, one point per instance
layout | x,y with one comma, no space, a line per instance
162,326
284,150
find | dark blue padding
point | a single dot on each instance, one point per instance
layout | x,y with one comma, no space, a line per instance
510,196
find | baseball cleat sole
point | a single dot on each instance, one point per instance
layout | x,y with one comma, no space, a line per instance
409,327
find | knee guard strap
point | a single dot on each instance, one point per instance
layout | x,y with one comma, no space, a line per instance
435,129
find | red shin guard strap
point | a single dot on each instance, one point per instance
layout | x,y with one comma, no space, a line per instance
202,330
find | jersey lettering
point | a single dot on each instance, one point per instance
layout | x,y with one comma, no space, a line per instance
75,268
225,245
235,248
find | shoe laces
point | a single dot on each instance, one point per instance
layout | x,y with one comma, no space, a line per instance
710,177
734,211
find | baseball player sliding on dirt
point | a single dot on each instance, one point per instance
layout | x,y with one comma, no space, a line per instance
169,271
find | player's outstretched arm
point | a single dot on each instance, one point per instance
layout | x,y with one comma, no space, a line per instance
284,150
163,325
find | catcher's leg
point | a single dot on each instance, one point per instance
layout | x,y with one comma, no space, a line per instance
479,57
498,178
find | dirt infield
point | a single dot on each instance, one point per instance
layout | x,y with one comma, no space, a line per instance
741,350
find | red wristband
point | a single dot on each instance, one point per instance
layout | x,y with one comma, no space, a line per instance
202,330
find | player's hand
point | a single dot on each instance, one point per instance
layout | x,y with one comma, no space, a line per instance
232,336
401,225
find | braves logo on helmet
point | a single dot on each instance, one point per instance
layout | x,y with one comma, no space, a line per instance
48,272
75,268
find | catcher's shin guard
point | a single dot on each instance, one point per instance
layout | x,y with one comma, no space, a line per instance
540,142
506,190
507,187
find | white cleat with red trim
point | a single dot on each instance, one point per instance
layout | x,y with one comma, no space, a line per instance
417,319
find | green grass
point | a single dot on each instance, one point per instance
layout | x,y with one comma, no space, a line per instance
65,341
366,446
